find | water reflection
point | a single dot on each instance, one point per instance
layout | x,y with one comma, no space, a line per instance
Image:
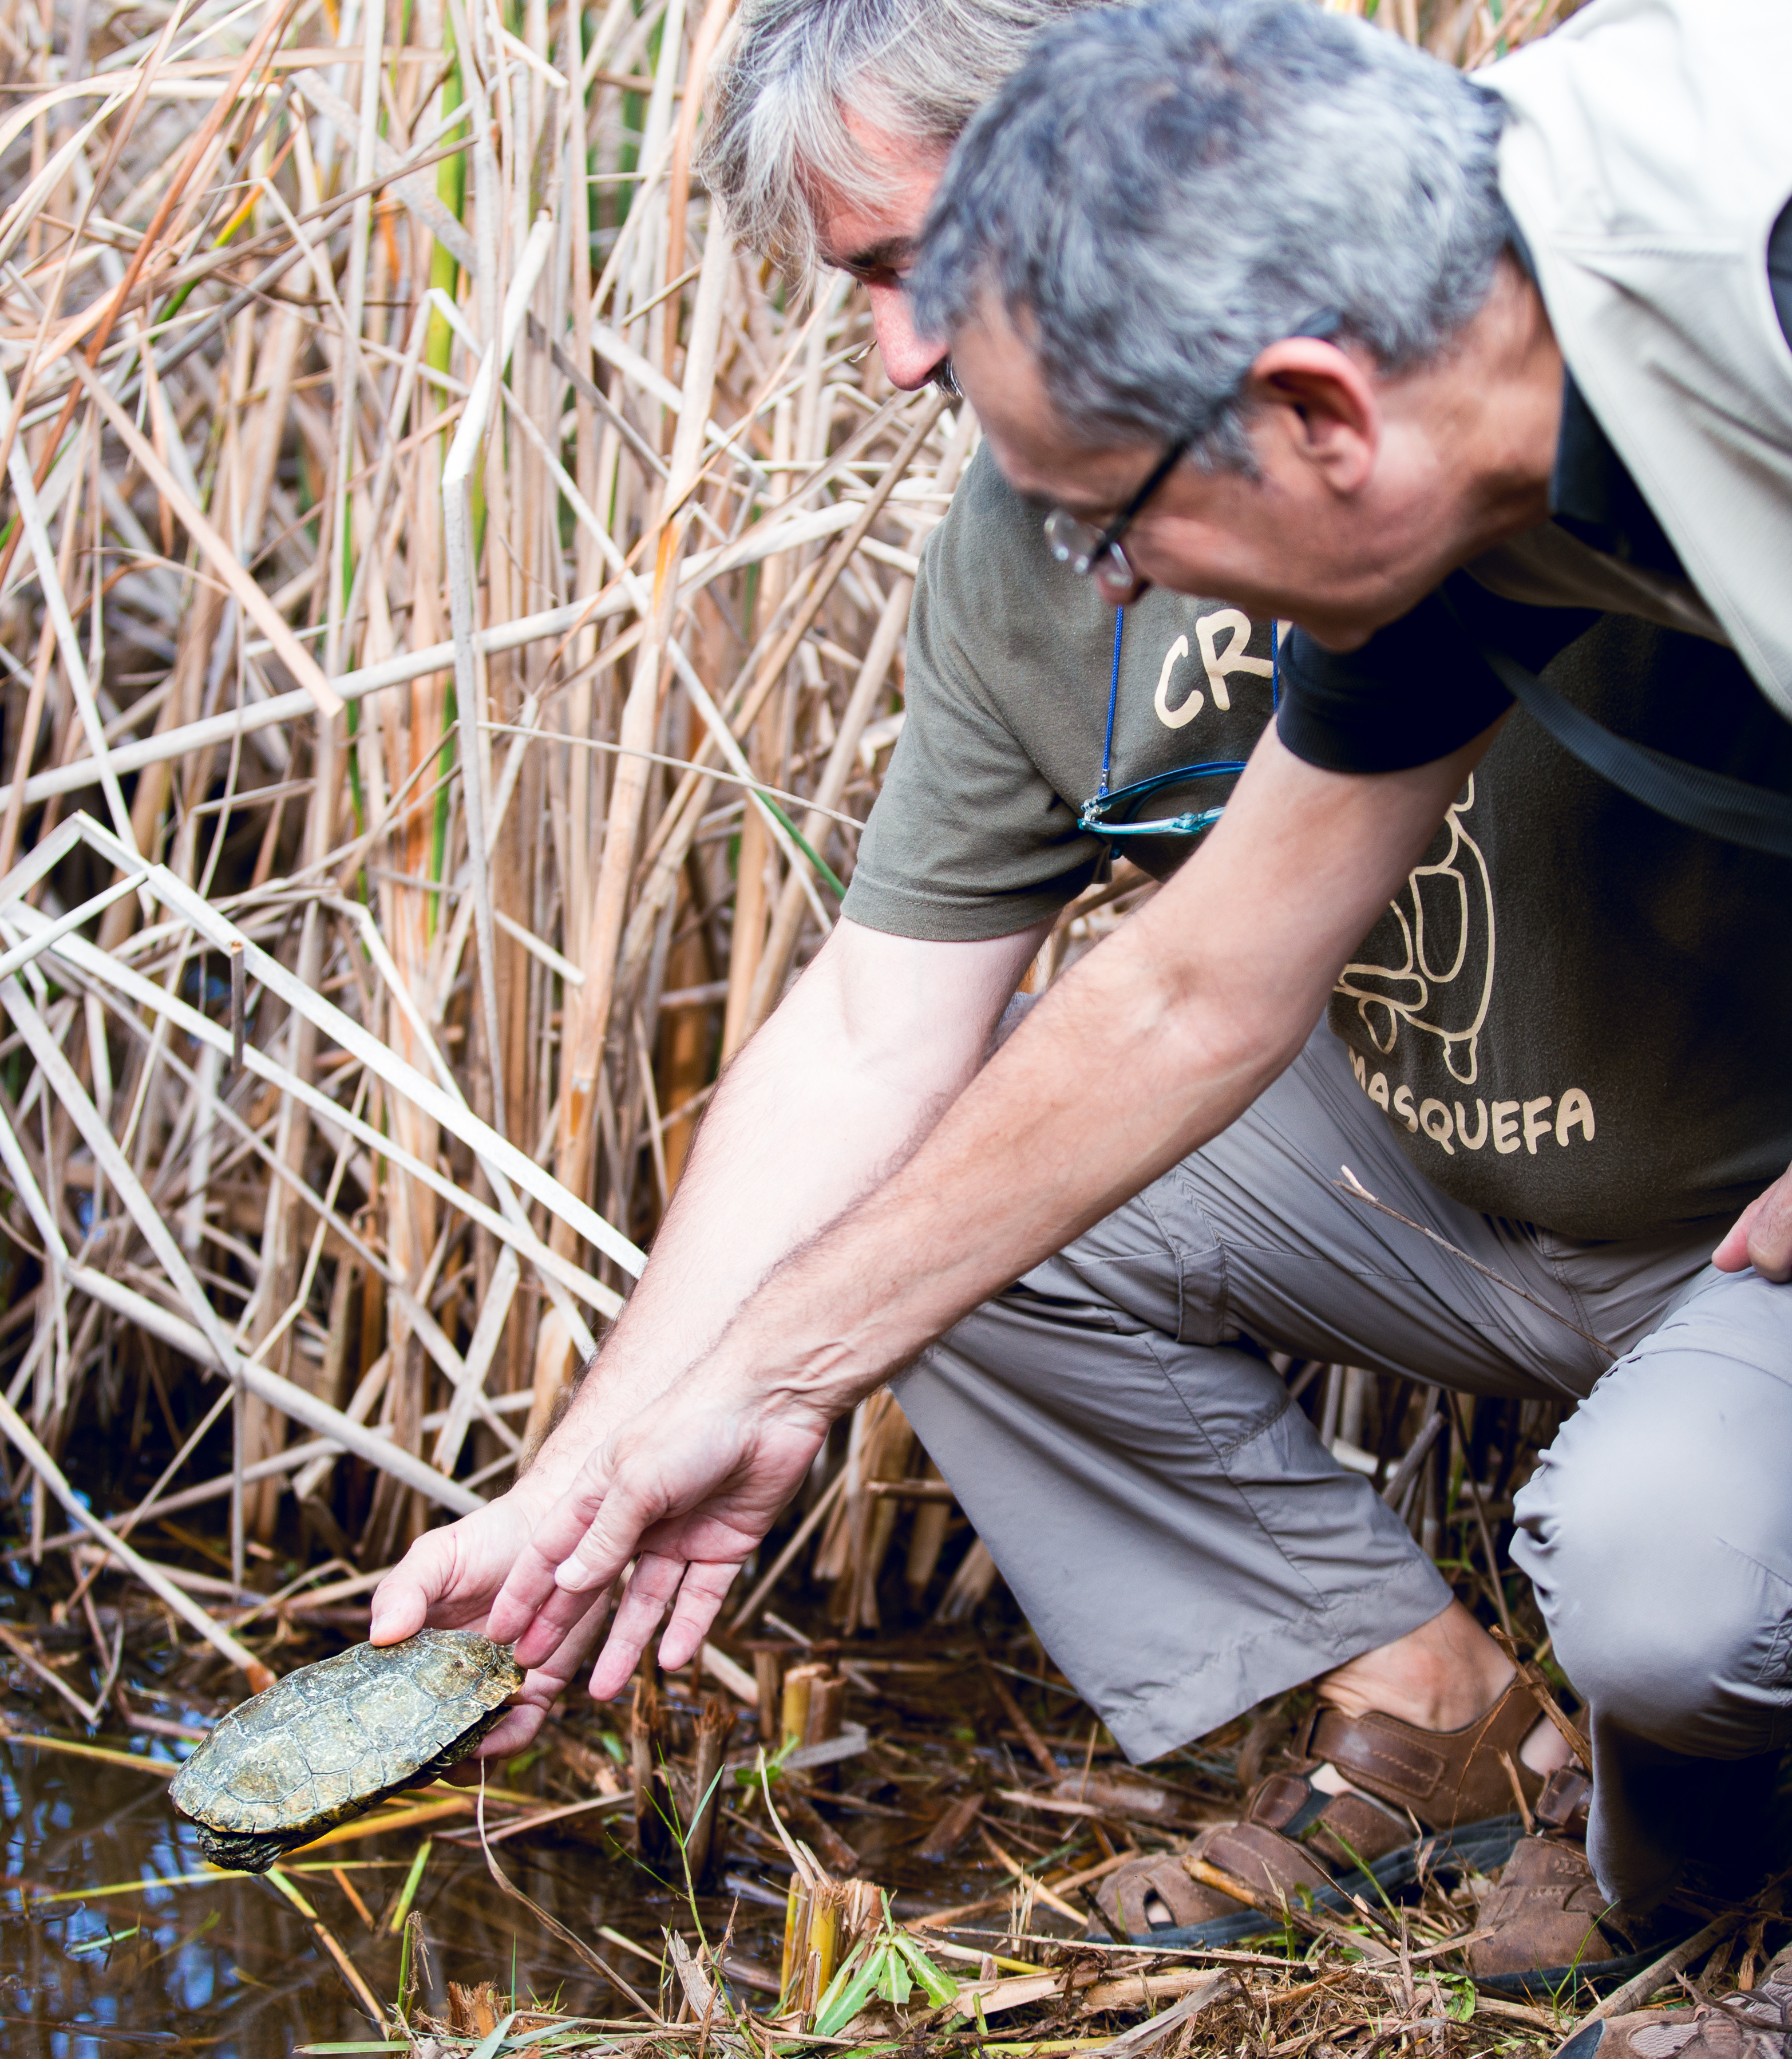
226,1966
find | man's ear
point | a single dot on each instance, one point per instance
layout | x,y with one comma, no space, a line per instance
1320,402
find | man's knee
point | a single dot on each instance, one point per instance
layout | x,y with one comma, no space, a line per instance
1659,1550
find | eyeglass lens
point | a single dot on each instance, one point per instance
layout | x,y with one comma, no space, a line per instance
1074,544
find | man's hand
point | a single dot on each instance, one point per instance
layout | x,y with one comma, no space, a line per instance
1761,1236
449,1579
878,1036
1147,1048
686,1488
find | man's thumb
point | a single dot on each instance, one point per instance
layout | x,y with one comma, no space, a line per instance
399,1611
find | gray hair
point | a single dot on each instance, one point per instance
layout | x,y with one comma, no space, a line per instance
916,70
1162,191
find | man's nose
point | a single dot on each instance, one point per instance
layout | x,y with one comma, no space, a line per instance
910,359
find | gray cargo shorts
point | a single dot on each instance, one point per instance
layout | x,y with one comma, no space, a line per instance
1185,1546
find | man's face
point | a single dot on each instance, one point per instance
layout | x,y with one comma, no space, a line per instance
875,241
1269,544
1353,512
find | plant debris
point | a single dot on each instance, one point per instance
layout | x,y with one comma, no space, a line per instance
452,605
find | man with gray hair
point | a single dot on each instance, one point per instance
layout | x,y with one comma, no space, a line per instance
826,105
1110,1267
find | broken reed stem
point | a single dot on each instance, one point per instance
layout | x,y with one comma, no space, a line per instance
428,518
296,498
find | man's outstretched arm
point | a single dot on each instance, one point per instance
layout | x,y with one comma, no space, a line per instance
1151,1045
874,1042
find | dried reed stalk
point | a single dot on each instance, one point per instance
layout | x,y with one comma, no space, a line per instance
424,532
430,550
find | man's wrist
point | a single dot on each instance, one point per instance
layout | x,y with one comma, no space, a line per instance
602,1402
553,1467
790,1377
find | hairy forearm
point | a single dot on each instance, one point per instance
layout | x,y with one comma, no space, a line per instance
1032,1153
1149,1048
836,1089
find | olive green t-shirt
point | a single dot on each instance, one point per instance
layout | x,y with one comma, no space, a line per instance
1009,659
1576,1013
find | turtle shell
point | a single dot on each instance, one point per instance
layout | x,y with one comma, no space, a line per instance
329,1741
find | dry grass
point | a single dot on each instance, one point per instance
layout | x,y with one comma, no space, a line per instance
284,541
452,607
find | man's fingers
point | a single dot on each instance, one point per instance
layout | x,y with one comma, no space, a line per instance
1761,1236
550,1677
608,1544
643,1603
1770,1237
542,1687
558,1618
654,1582
528,1583
699,1587
558,1534
616,1661
403,1599
1732,1255
700,1596
516,1729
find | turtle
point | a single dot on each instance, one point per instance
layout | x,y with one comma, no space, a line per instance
331,1740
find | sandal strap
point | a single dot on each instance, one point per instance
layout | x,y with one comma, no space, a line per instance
1444,1777
1343,1829
1271,1867
1123,1896
1561,1805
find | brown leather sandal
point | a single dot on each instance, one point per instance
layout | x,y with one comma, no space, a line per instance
1294,1837
1125,1896
1549,1918
1443,1777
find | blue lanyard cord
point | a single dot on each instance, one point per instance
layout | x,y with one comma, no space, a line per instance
1113,688
1113,697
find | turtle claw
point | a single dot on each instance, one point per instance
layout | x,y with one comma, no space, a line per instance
240,1852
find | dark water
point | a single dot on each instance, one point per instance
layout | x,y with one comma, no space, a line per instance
181,1959
226,1966
115,1937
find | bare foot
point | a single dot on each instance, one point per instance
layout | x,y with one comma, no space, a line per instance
1439,1676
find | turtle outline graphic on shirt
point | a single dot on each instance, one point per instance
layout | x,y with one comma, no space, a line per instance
1445,908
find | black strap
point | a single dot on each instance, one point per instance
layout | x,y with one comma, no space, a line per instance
1686,793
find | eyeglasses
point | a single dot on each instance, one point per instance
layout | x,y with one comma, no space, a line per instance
1194,797
1084,549
1186,802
